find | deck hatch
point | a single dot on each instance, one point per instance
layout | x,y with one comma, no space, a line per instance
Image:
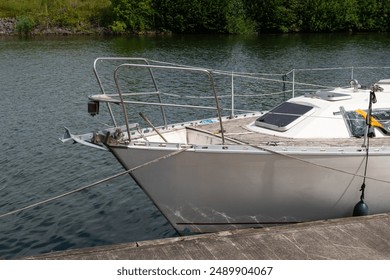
284,116
356,121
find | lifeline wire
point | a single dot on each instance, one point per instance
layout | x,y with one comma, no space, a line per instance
95,183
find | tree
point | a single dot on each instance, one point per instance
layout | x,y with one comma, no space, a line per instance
202,16
274,15
237,20
132,15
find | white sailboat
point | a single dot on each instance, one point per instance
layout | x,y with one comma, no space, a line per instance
311,157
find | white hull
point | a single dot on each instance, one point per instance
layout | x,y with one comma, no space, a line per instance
205,191
305,159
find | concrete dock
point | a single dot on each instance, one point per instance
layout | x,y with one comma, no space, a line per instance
354,238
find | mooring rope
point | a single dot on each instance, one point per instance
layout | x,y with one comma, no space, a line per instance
95,183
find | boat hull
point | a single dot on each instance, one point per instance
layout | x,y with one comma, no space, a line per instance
207,190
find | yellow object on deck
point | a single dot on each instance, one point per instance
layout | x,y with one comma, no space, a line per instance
374,122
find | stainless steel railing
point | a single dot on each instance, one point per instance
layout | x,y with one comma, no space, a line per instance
289,81
144,64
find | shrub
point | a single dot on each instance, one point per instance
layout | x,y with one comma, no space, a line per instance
118,27
132,15
24,25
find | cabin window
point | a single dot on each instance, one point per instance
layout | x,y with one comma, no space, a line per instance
284,116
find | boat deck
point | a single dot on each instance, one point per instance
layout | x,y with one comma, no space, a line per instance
354,238
236,130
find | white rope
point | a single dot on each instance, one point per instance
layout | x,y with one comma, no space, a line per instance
93,184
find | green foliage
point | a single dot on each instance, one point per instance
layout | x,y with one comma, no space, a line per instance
319,15
373,15
132,15
24,25
237,21
57,13
204,16
332,15
118,27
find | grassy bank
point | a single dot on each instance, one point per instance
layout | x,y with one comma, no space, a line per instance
44,14
83,8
